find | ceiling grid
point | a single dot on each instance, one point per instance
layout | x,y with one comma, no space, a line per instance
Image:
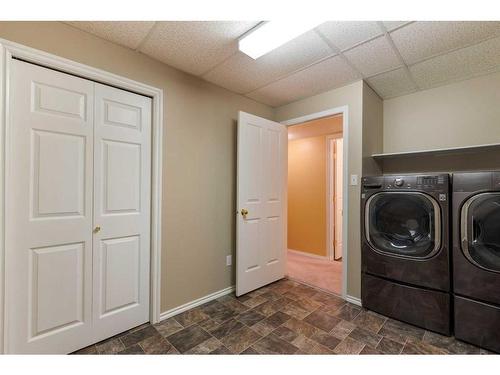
394,57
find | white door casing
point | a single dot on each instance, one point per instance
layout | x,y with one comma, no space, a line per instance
67,287
122,177
48,241
339,152
261,191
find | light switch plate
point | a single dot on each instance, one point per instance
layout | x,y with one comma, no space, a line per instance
354,179
229,260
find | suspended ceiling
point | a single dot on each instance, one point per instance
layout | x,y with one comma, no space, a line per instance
395,58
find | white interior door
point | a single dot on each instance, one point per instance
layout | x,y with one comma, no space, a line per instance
261,202
338,197
121,240
49,211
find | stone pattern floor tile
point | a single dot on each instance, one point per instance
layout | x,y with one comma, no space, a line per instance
133,349
188,338
240,339
285,317
387,346
272,344
155,345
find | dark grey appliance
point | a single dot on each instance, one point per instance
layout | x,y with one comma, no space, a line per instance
476,258
405,249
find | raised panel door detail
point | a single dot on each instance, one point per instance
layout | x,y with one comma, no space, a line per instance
121,114
252,162
273,161
56,293
58,101
253,246
273,240
122,177
58,179
119,274
273,185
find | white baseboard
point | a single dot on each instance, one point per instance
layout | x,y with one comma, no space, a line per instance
353,300
197,302
210,297
308,254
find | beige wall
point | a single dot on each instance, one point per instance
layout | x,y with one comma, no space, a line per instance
373,117
352,96
460,114
199,156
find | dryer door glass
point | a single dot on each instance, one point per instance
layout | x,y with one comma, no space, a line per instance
481,230
405,224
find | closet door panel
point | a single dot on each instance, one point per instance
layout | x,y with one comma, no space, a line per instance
49,210
122,165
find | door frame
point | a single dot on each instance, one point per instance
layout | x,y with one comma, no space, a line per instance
10,50
331,178
344,111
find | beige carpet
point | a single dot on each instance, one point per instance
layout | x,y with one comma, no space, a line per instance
317,272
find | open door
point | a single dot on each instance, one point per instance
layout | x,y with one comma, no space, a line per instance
261,202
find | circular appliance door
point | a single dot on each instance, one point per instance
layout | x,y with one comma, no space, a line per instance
403,224
480,230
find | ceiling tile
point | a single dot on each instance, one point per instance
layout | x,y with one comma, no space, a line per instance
345,34
243,74
328,74
194,46
420,40
391,25
461,64
394,83
373,57
127,33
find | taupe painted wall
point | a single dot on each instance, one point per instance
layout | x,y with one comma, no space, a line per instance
460,114
373,123
199,156
352,96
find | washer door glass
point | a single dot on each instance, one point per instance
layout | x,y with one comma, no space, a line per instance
481,230
404,224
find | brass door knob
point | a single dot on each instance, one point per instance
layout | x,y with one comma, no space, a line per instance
244,213
97,229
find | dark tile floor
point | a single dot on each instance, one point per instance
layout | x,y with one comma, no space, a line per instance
281,318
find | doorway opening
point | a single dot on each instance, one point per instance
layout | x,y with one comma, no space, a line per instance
315,202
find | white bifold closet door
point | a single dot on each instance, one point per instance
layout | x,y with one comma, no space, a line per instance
77,211
122,170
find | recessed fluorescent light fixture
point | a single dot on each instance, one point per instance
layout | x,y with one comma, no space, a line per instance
272,34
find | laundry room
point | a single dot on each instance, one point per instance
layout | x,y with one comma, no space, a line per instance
200,189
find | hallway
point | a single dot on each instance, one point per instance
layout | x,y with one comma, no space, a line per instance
317,272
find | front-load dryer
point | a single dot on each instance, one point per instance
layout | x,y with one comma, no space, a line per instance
405,248
476,258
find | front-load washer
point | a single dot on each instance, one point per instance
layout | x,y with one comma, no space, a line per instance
405,248
476,258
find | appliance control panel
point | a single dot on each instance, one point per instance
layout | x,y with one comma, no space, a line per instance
431,182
